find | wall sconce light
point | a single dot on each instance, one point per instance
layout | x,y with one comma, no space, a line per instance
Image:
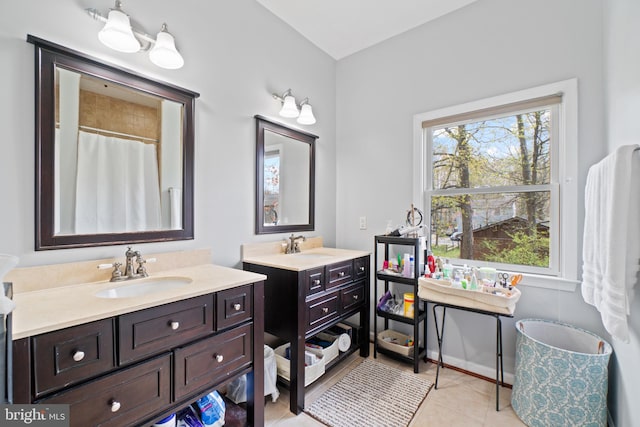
290,108
118,34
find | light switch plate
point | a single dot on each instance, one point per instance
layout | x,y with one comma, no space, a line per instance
363,223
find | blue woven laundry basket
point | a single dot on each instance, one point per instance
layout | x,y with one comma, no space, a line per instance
561,375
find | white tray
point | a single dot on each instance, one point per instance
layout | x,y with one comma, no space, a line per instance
442,291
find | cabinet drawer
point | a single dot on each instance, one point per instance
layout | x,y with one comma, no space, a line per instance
211,360
314,280
159,328
339,273
361,267
71,355
233,306
122,398
322,310
352,296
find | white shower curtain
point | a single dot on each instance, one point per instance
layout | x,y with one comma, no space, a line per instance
117,187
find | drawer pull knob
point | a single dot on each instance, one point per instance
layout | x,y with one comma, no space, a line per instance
237,307
78,355
175,325
115,406
361,268
341,274
355,297
325,310
316,282
219,358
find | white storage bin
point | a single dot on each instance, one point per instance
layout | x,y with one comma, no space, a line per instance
330,352
311,373
395,341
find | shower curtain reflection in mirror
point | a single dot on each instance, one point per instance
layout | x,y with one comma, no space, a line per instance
116,186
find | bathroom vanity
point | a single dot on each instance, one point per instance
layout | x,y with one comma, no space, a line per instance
125,361
307,293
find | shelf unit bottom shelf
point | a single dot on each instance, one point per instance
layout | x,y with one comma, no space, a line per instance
422,353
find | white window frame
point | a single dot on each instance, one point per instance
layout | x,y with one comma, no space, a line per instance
563,270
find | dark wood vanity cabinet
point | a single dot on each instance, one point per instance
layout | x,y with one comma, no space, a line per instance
135,368
300,304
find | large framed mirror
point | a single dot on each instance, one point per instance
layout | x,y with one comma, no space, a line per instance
114,153
285,178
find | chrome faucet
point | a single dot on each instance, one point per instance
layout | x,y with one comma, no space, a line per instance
129,271
293,246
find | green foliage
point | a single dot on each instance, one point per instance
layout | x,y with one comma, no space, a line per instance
444,251
525,250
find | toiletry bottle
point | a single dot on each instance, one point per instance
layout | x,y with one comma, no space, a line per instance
406,267
474,281
412,266
431,262
447,270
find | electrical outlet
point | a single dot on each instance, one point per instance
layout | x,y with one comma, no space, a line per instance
363,223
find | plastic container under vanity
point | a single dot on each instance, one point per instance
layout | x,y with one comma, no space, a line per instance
561,375
169,421
311,372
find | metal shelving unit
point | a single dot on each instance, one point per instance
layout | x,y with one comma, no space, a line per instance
411,285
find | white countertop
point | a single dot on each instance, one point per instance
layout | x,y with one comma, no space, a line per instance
310,258
56,308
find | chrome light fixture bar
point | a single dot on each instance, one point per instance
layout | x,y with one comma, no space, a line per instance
290,109
118,34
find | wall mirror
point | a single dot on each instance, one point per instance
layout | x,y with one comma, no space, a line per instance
114,153
285,178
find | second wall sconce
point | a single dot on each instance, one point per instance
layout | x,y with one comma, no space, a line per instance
118,34
290,108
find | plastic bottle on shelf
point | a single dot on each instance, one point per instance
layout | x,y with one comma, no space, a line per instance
474,281
406,266
447,270
412,266
431,262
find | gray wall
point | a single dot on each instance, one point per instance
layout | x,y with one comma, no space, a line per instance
236,54
622,77
485,49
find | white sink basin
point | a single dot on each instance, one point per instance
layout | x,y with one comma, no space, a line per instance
140,287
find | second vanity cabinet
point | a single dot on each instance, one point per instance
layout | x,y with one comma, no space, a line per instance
301,302
136,367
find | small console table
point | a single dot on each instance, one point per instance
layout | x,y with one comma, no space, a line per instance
440,335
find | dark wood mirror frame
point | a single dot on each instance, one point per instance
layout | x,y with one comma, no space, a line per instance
47,56
262,124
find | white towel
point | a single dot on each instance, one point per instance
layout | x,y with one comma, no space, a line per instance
611,244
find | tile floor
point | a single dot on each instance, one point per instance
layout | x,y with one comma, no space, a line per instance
460,400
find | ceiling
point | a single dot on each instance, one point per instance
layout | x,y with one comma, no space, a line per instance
343,27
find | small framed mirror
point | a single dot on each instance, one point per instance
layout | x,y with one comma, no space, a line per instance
114,154
285,178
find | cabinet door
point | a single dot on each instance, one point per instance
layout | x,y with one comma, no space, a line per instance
156,329
71,355
361,267
122,398
234,306
314,280
322,310
339,273
211,360
352,297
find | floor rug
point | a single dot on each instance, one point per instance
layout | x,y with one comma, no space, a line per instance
371,395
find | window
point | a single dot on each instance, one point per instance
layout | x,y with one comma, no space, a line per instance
497,176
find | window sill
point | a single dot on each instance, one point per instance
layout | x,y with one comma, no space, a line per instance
549,282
